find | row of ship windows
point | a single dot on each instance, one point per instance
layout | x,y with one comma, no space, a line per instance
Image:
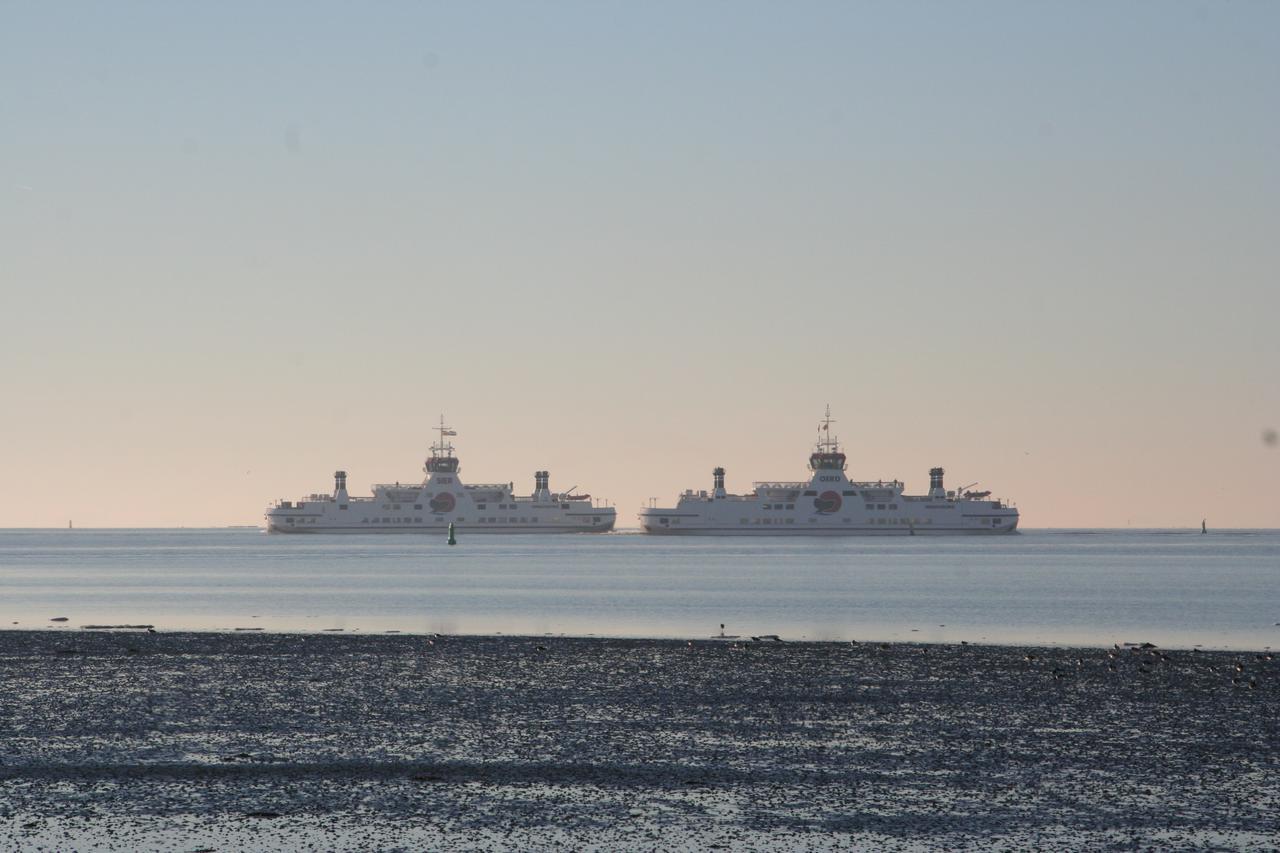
871,521
478,506
522,520
793,506
459,519
418,520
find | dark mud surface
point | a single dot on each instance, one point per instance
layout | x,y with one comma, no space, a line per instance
124,741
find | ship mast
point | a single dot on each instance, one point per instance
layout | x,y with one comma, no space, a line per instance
826,443
442,446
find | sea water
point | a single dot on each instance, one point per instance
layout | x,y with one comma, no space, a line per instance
1081,587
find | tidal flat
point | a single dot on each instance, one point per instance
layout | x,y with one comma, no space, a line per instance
126,740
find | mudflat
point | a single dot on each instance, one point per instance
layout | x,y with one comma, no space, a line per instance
125,740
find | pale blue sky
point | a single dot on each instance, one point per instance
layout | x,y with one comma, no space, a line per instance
1035,243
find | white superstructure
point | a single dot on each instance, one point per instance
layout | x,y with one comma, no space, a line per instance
440,500
830,504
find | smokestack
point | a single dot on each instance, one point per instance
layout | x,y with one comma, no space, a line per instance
340,485
936,489
718,479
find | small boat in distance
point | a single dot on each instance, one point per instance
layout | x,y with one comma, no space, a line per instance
441,502
830,504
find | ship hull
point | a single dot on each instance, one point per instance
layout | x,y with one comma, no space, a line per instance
890,513
735,531
438,530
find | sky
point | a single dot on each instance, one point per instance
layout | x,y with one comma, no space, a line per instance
243,245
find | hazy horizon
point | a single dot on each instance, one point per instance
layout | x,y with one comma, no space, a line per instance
243,246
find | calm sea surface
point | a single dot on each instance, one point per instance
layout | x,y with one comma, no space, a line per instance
1172,588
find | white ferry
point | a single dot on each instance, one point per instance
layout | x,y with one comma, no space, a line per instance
830,504
440,500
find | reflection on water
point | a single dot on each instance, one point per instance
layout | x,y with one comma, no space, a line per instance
1080,587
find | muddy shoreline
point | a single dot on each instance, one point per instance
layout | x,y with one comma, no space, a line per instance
189,741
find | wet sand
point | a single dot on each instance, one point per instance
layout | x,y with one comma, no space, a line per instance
131,740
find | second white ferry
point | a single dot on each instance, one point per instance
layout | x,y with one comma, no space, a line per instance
830,504
440,500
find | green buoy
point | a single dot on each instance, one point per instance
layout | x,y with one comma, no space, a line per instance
453,540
